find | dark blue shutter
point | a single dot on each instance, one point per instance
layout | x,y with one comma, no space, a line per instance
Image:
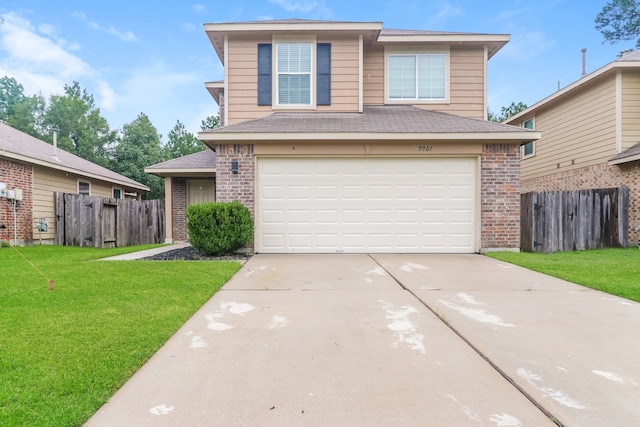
323,78
264,74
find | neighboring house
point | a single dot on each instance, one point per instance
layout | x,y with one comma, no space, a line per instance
187,180
590,135
348,137
39,170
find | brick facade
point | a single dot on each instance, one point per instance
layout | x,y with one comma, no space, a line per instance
500,197
239,186
598,176
17,175
179,209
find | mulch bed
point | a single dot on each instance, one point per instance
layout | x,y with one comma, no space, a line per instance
190,254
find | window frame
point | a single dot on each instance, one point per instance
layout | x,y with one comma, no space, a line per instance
433,50
531,143
113,192
275,83
88,183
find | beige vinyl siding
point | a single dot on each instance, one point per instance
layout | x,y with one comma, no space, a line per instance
630,108
466,86
242,96
48,181
578,132
373,75
345,74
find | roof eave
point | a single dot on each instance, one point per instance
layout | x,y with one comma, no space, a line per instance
186,172
623,160
485,137
33,161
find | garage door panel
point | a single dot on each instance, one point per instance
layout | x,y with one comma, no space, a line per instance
366,205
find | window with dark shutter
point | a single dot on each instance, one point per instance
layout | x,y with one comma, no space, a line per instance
264,74
323,77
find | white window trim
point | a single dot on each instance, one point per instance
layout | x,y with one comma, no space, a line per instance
78,185
121,192
533,143
414,51
274,72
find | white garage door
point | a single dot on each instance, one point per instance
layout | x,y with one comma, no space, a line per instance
366,205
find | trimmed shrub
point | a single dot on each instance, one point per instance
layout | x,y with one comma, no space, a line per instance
219,228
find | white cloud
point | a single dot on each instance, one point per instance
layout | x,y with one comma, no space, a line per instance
199,8
125,36
304,6
42,62
440,13
526,45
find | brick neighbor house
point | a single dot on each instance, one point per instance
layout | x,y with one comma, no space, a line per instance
590,135
347,137
38,170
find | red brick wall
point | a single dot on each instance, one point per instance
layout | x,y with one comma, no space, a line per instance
179,209
500,197
239,186
17,175
598,176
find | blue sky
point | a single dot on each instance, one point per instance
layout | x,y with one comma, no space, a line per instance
154,57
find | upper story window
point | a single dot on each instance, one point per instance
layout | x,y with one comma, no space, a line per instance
417,76
529,148
84,188
294,74
293,68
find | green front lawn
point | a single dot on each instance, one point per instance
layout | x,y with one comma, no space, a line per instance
63,353
615,271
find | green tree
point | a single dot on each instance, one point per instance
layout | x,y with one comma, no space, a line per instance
181,142
506,112
81,128
619,20
211,122
139,146
19,111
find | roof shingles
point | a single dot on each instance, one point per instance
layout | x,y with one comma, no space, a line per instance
14,143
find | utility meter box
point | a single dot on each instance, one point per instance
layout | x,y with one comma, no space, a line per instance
17,194
3,189
11,194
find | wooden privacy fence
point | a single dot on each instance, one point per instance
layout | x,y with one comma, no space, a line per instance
574,220
103,222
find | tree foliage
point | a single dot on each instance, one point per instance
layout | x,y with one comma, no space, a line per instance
139,146
181,142
19,111
506,112
619,20
211,122
81,128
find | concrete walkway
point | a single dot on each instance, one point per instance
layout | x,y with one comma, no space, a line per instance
148,252
412,340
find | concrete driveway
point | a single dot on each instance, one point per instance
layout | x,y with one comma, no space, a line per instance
387,340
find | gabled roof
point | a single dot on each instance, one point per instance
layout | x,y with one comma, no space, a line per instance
627,60
202,163
376,123
17,145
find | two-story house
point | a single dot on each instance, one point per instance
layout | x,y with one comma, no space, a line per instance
590,135
348,137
